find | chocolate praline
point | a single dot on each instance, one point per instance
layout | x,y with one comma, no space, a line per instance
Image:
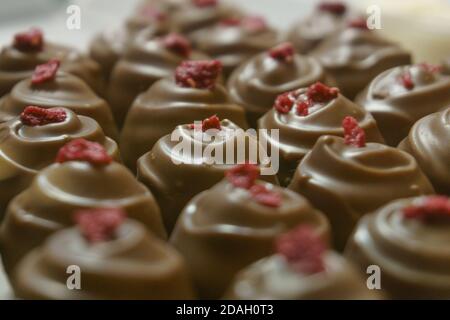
346,182
224,229
176,175
399,97
411,253
133,265
429,143
356,55
65,90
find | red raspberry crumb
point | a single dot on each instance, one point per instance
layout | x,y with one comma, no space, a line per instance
284,102
354,135
198,74
406,80
302,108
152,13
177,44
36,116
358,23
29,41
303,249
100,224
212,122
319,92
430,68
334,7
265,196
45,72
205,3
431,209
254,23
83,150
283,52
243,175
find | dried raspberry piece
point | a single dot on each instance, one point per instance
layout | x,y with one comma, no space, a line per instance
205,3
254,23
243,175
283,52
177,44
430,209
265,196
321,93
302,108
83,150
430,68
29,41
212,122
303,249
406,80
358,23
284,102
45,72
36,116
354,135
152,13
334,7
198,74
100,224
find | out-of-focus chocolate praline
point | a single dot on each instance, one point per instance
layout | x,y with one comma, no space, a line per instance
408,240
234,223
173,101
347,178
399,97
355,55
304,115
257,82
429,142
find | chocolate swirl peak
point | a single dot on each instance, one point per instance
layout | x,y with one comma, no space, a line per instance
55,90
165,105
77,181
356,55
133,265
429,142
226,228
175,174
29,49
301,269
399,97
406,239
256,83
346,182
304,115
31,142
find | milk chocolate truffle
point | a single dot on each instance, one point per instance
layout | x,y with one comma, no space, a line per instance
30,143
302,268
256,83
143,64
173,101
29,49
408,239
49,88
117,259
193,158
356,55
233,224
234,40
347,178
83,176
429,142
323,22
304,115
399,97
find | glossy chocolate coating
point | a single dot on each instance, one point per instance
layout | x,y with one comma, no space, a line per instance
143,64
256,83
355,56
413,256
223,229
47,205
16,66
25,150
298,134
273,278
157,111
134,265
346,182
175,184
66,91
233,45
396,108
429,142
